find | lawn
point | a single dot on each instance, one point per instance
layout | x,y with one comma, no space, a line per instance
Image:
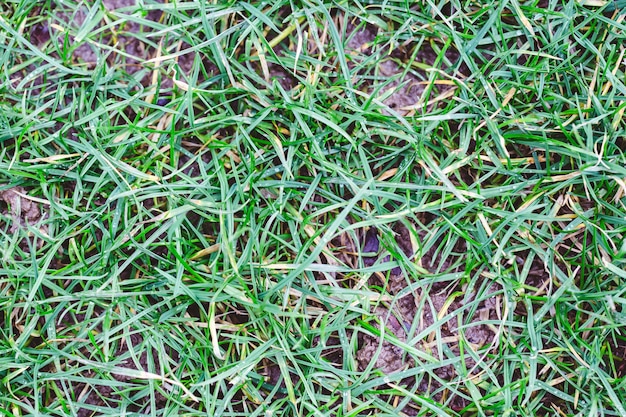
312,208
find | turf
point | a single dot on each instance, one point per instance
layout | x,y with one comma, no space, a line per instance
186,187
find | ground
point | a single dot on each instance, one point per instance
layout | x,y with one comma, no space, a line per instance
312,209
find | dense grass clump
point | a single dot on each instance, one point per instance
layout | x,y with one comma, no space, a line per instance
312,208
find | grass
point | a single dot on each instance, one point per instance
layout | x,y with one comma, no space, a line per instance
205,174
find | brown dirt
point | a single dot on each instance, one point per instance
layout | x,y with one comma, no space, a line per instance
20,208
405,91
101,391
127,51
412,312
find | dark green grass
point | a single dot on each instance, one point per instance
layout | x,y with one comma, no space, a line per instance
188,259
